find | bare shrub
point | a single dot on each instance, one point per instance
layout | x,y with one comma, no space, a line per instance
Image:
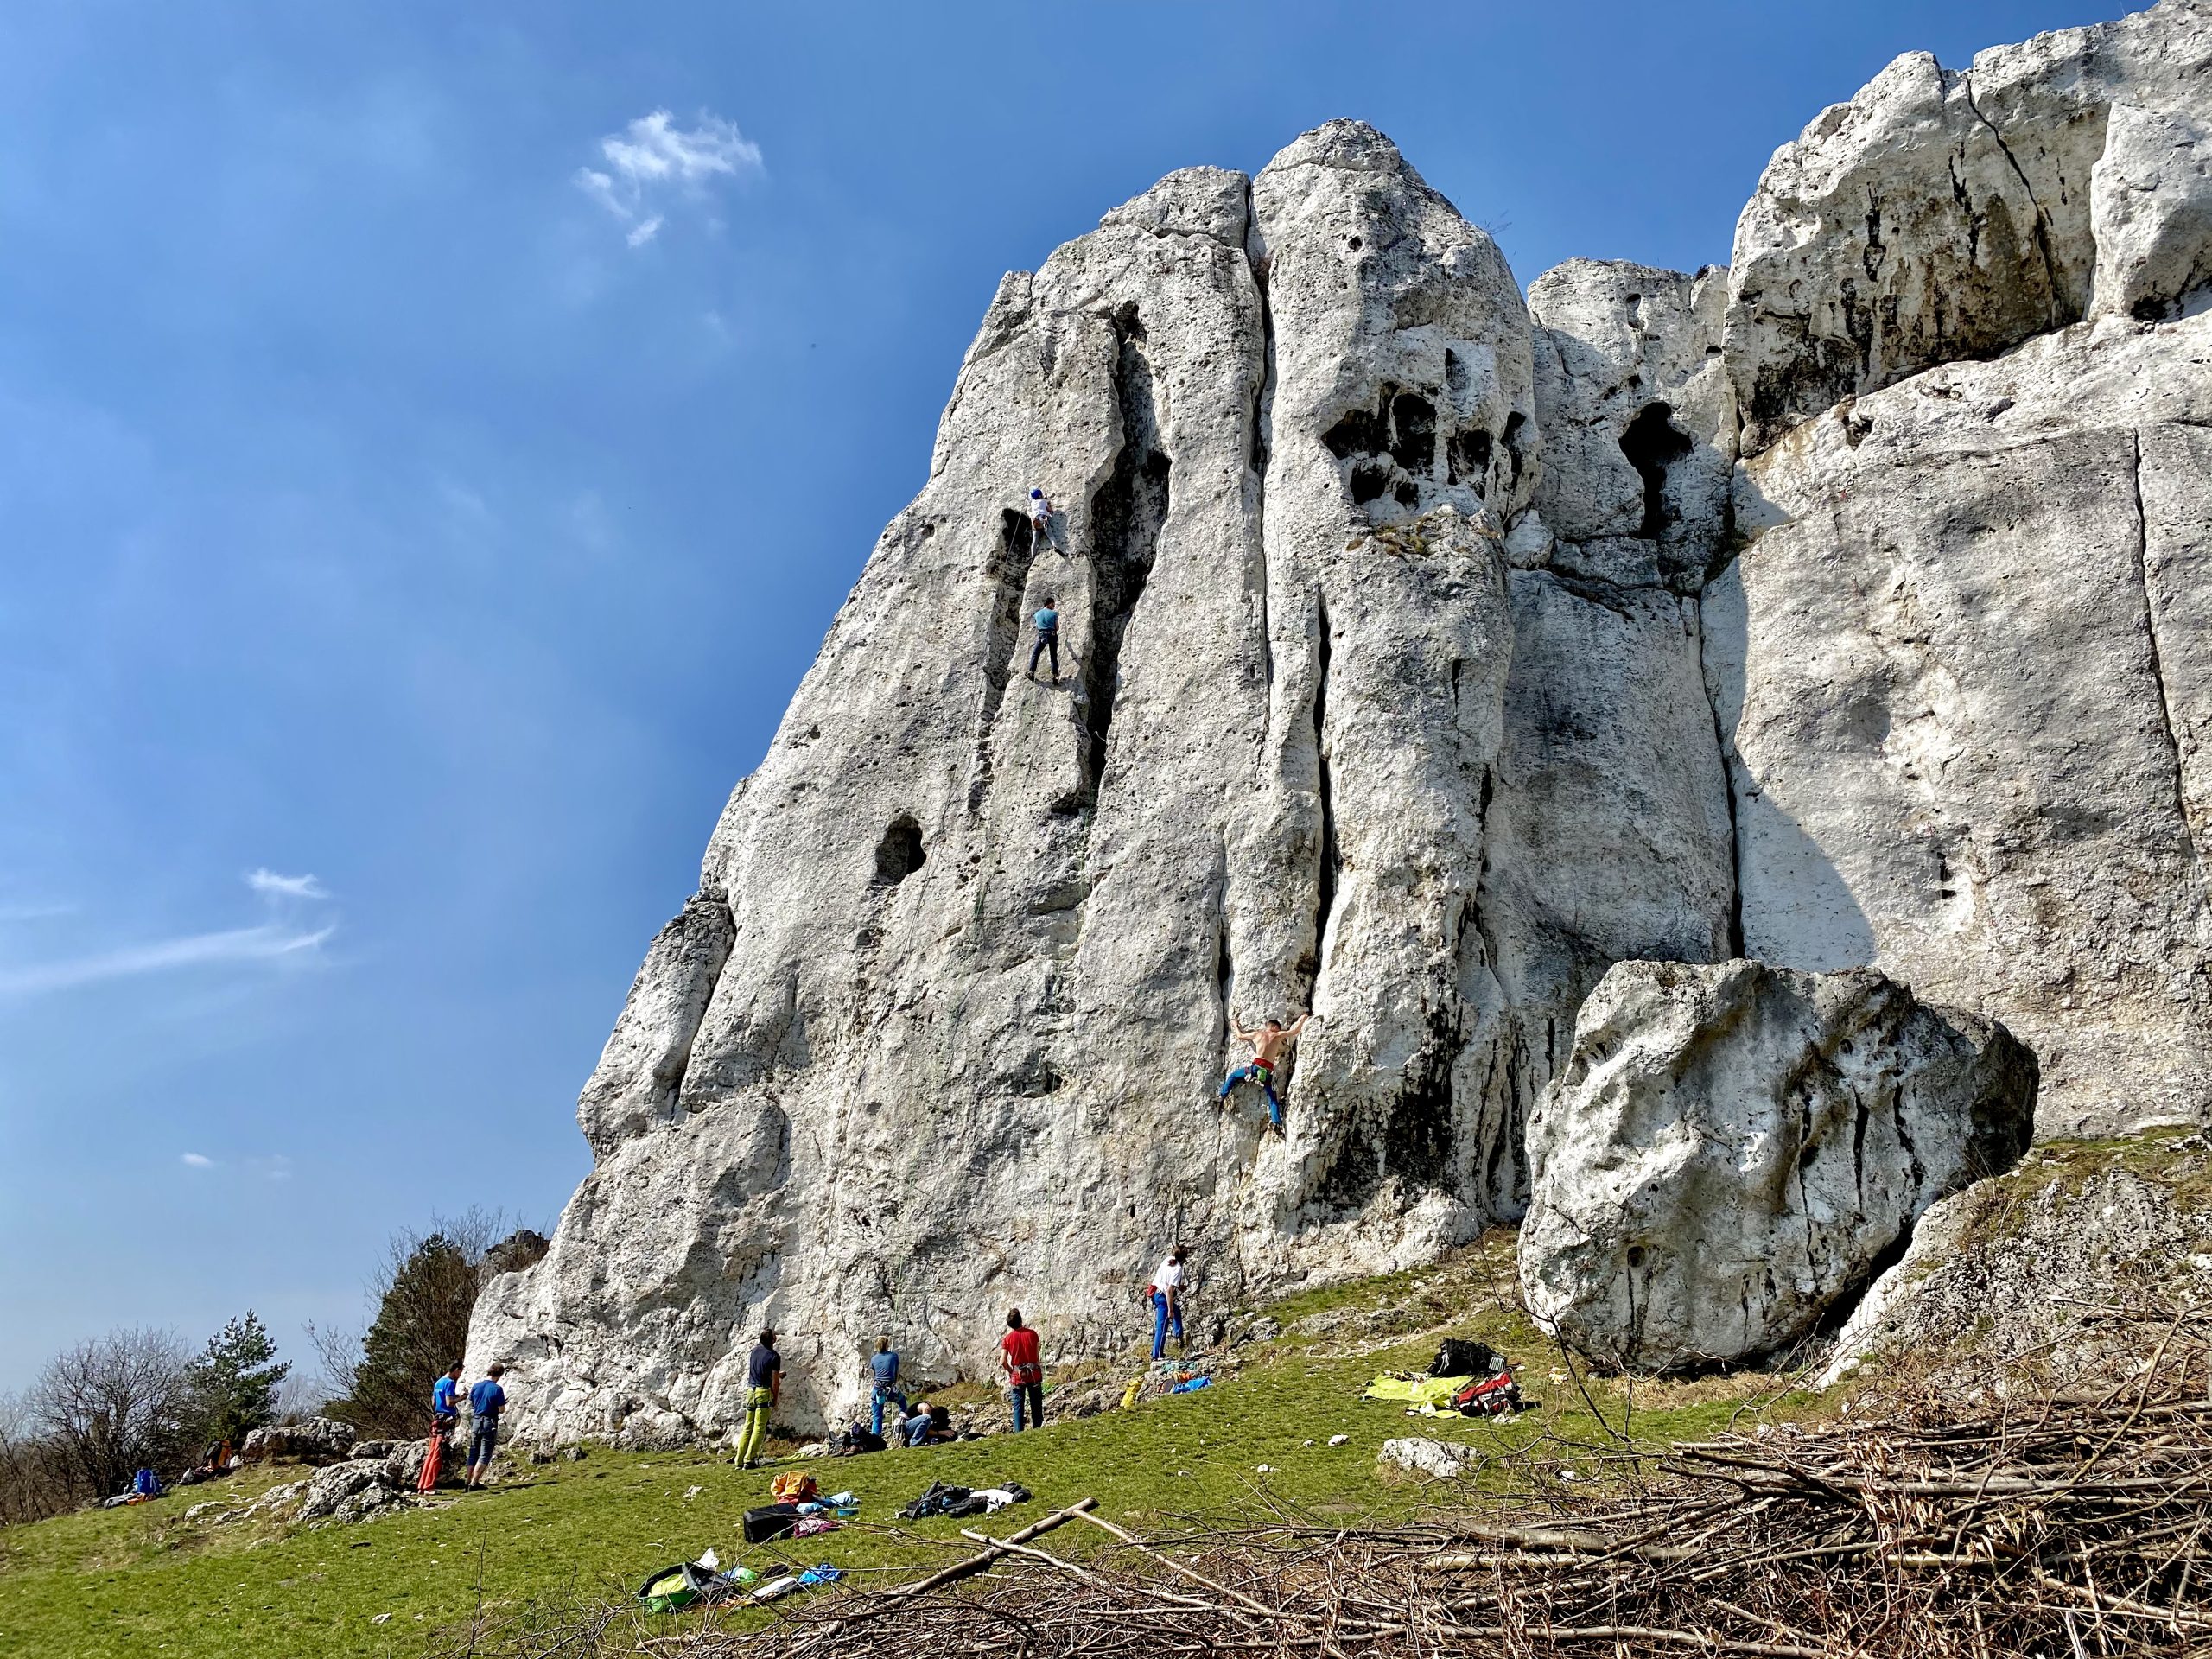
112,1406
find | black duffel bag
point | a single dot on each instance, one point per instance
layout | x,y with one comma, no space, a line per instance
773,1521
1460,1357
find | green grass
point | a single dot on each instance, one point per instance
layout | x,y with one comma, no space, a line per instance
139,1581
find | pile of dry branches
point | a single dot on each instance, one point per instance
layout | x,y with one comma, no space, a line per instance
2072,1522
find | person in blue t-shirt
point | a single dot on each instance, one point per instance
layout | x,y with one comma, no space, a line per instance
883,1370
445,1399
1048,639
486,1402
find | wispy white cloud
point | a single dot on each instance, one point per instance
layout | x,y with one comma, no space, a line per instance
197,1160
270,885
653,162
238,945
33,911
274,1167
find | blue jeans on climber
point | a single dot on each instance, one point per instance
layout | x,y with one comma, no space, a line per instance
1163,1322
1264,1076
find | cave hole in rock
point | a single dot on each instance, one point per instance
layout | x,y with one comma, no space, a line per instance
1355,244
1127,516
900,853
1467,459
1516,429
1412,433
1392,446
1653,443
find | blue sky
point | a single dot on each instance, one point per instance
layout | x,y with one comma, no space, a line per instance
433,441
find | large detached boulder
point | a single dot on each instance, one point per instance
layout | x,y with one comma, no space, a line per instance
1733,1150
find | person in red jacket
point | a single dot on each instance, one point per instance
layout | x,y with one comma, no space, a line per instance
1025,1371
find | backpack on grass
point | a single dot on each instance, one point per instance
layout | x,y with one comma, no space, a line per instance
675,1586
1495,1396
775,1521
1460,1357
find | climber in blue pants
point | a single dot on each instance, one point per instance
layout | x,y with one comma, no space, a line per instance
1268,1043
1166,1295
883,1370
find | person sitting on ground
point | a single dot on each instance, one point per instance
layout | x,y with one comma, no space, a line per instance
883,1381
930,1426
763,1386
1048,639
1041,521
1267,1046
1168,1302
486,1402
1025,1371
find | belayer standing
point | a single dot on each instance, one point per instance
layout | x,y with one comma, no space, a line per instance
486,1402
1268,1043
445,1412
1041,521
764,1386
883,1384
1048,639
1025,1371
1168,1302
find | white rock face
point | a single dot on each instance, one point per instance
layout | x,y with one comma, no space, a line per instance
1427,653
2151,207
940,1035
1733,1147
1939,216
1968,681
1638,418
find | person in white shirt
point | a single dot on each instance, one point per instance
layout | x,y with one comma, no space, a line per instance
1167,1302
1041,520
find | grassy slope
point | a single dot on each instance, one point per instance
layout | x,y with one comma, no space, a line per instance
141,1581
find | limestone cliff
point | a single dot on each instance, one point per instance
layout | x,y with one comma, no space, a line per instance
1429,651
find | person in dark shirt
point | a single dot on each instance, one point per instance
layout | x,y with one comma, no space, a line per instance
1025,1371
764,1386
883,1373
486,1401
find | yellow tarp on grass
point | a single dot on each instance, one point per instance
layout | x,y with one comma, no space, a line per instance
1414,1390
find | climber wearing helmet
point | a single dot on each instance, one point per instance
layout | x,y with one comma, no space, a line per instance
1041,520
1268,1043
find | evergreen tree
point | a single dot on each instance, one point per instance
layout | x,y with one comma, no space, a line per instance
421,1328
231,1387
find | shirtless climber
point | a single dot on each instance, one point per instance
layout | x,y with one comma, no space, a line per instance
1267,1046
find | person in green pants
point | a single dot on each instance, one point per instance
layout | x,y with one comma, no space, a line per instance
764,1385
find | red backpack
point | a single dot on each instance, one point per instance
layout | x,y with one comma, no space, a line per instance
1494,1394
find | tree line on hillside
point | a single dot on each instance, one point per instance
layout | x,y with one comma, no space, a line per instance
134,1399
